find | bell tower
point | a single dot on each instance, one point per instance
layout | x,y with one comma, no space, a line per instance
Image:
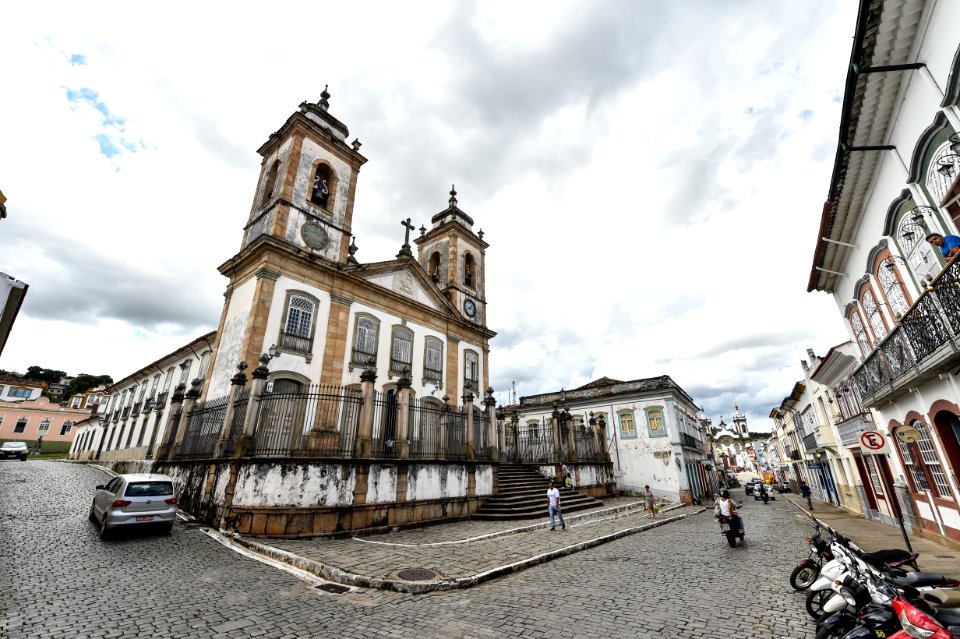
308,178
455,259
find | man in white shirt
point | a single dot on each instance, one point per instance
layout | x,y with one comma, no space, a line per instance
553,503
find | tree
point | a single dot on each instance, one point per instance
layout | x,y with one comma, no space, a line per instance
40,374
84,382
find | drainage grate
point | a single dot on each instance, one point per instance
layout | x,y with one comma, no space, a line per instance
336,589
416,574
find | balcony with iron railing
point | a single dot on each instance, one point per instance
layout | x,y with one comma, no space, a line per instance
810,442
849,429
690,441
363,358
925,343
296,343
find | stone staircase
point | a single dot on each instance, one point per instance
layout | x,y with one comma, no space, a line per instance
523,495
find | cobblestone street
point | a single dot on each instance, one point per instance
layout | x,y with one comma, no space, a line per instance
678,580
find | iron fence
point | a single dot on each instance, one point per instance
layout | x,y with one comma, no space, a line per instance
236,424
586,444
535,443
456,434
203,429
481,447
385,414
319,422
426,430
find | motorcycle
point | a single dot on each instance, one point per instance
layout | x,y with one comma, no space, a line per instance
761,492
807,570
728,527
824,597
861,606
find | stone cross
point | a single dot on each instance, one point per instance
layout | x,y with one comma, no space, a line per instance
405,250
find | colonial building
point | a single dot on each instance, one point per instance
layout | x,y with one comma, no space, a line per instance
368,405
29,420
132,413
648,427
17,389
895,180
297,283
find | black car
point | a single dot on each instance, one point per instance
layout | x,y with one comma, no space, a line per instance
14,450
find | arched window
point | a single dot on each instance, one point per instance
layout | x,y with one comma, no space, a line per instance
859,333
270,183
929,459
469,271
297,334
322,187
874,317
366,332
471,371
401,352
433,360
941,171
911,238
892,288
433,267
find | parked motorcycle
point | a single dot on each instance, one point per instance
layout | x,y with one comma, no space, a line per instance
807,570
861,603
824,597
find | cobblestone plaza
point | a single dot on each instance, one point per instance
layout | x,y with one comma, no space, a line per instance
675,580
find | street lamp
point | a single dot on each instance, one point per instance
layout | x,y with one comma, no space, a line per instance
946,163
890,261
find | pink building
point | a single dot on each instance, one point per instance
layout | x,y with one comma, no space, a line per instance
34,418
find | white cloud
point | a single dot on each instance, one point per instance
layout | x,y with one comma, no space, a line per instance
649,175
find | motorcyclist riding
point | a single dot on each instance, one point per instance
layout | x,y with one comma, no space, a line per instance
728,508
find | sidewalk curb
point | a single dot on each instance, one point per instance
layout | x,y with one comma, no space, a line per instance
335,574
604,512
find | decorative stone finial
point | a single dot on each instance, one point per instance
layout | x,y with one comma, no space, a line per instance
422,230
324,98
356,144
480,234
453,195
352,250
242,366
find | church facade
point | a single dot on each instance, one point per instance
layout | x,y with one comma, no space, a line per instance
296,282
368,405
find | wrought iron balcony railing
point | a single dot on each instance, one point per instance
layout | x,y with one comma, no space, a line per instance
296,342
689,440
923,344
810,442
362,358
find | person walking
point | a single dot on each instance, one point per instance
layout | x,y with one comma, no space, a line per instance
805,491
553,505
648,500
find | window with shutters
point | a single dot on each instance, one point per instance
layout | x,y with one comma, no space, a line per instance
365,335
471,371
299,323
433,361
401,351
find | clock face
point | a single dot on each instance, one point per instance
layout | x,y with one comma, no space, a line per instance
469,307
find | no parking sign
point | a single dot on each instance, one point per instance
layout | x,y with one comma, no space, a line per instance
873,442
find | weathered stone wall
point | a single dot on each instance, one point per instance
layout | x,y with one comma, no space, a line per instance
302,498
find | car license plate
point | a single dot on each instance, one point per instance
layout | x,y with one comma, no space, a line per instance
145,518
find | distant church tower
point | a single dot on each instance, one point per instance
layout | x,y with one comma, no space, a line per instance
454,258
740,423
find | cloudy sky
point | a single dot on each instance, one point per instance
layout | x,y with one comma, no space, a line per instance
649,175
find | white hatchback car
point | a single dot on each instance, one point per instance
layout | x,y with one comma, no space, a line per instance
134,500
